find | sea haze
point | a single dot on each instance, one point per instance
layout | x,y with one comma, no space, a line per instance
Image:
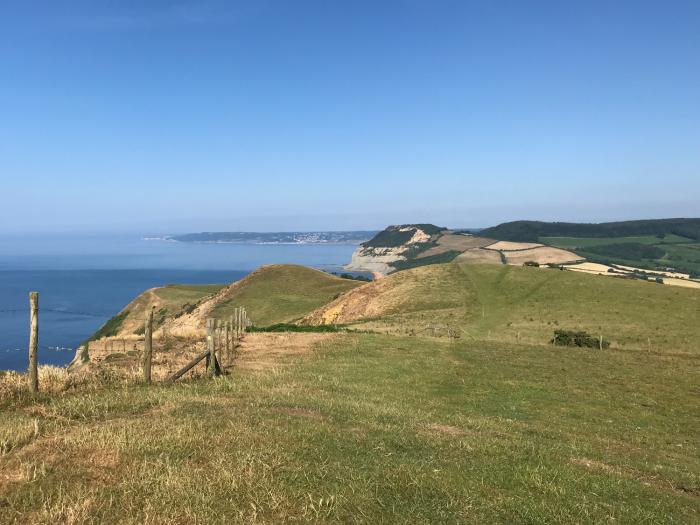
84,280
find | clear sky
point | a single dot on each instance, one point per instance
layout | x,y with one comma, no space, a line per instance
172,116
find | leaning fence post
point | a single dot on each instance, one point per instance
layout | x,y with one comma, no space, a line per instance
148,346
600,343
33,341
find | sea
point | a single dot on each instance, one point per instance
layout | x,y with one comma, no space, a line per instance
83,280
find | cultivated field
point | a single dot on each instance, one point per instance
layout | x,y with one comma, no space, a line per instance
675,251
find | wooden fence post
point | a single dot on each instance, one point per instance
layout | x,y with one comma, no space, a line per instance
600,343
211,361
34,341
148,346
232,327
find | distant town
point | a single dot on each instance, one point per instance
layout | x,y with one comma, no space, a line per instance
334,237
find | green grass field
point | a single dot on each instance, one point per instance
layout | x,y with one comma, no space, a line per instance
370,429
584,242
500,302
283,293
386,428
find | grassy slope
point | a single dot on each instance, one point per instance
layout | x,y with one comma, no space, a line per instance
499,301
174,299
370,429
283,293
272,294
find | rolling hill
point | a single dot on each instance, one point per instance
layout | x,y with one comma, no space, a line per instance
414,245
651,246
510,303
412,425
532,231
271,294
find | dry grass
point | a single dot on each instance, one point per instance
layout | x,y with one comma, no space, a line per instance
506,246
480,256
53,379
451,241
541,255
263,351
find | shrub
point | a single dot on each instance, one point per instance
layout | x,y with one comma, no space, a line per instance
352,277
111,327
580,339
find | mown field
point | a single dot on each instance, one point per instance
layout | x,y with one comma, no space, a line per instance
369,429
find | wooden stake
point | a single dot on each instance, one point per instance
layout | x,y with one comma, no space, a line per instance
148,346
234,341
600,343
211,360
187,367
34,341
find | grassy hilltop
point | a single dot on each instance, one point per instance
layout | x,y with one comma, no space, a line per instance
272,294
385,427
500,302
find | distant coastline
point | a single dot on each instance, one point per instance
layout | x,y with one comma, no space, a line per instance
271,238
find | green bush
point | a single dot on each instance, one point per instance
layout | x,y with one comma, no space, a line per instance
579,339
111,327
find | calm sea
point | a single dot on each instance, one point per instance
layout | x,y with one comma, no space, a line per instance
84,280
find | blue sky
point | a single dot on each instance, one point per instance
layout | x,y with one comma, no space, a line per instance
167,116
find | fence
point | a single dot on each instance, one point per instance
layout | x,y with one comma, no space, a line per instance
223,336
